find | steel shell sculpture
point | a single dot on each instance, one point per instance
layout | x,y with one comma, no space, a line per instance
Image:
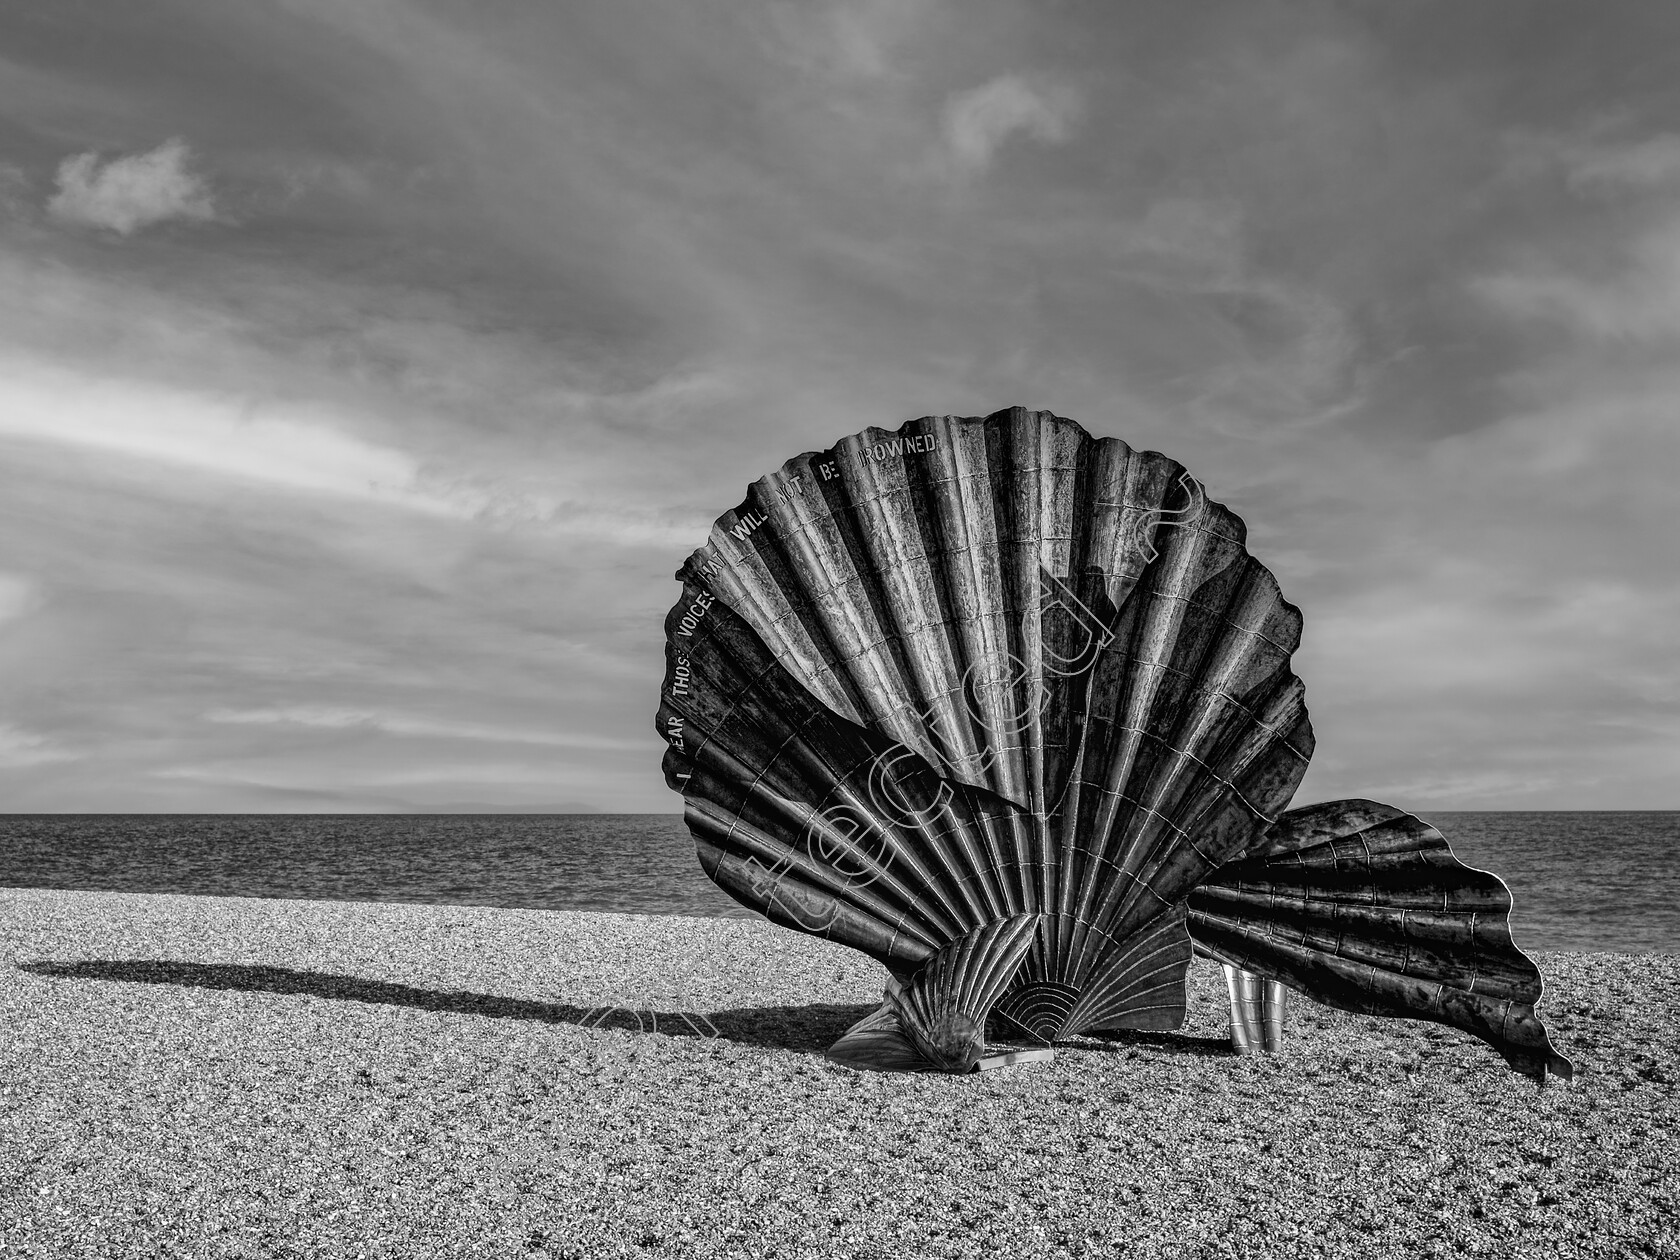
1010,709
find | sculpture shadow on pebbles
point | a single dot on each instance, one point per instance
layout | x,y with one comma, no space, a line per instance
799,1028
1168,1043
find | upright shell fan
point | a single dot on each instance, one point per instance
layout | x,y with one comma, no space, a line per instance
1009,708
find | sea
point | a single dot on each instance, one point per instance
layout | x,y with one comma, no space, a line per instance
1580,881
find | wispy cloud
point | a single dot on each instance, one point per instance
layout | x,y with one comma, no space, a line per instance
305,449
1615,276
126,194
292,447
1637,302
330,718
20,748
1648,163
1600,159
848,38
1470,791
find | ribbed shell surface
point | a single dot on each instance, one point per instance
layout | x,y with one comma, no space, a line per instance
1057,640
1366,907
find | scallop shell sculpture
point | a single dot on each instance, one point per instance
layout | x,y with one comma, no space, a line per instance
1009,708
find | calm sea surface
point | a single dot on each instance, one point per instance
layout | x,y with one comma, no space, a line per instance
1602,881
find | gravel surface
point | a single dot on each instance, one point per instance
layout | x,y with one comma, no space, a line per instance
217,1076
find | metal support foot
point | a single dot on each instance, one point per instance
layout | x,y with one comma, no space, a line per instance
1257,1010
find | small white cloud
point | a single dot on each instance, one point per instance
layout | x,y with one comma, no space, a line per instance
128,193
978,122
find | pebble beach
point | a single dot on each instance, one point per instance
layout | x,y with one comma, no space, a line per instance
225,1076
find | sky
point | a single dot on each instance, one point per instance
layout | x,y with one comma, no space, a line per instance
367,370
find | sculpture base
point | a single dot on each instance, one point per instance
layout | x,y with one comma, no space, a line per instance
1010,1058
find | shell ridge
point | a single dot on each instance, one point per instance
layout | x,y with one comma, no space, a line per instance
740,675
1363,912
882,650
1068,457
910,836
1148,647
879,494
1125,905
873,779
770,859
1337,982
997,893
970,532
969,880
794,545
852,629
1003,690
1138,982
1117,834
1234,654
1064,556
900,548
898,853
1003,471
1193,649
1266,770
1026,440
744,577
934,746
878,1043
745,879
944,1007
944,485
787,780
